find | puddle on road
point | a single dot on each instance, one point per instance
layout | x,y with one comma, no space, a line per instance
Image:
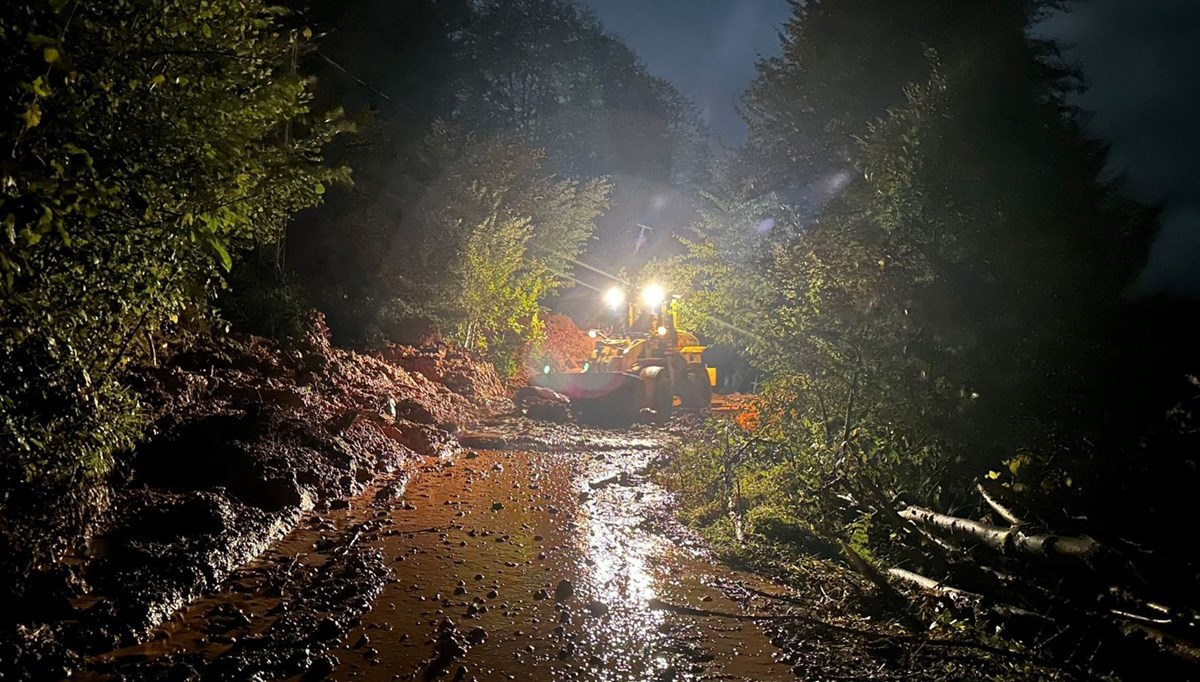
501,531
485,541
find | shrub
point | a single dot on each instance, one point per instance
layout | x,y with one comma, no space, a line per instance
147,143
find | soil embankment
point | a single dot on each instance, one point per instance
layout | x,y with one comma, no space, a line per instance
246,437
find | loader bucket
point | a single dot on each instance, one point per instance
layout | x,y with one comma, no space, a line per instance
609,398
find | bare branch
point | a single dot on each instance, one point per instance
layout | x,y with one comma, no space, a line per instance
1004,512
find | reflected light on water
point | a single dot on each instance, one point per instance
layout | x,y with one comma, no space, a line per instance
619,574
618,571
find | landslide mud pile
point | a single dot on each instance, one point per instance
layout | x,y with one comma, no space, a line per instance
246,435
459,372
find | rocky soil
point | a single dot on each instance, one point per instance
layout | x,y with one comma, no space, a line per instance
246,437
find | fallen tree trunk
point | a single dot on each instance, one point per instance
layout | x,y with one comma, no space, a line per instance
1029,626
1010,540
930,585
981,602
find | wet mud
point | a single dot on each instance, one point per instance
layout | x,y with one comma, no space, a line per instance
557,564
246,437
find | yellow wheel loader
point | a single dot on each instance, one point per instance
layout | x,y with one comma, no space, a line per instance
641,373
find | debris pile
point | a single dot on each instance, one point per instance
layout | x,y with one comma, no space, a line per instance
453,368
246,434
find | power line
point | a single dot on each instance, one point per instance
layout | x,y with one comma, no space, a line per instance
355,78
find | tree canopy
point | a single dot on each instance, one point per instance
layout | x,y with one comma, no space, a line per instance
146,144
547,113
920,247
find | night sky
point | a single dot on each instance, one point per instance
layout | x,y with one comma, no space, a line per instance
706,48
1141,60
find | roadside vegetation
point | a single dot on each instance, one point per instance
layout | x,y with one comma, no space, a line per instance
946,314
145,148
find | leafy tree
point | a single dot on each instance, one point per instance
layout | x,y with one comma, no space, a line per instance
730,238
959,301
481,241
1025,251
546,70
146,143
843,64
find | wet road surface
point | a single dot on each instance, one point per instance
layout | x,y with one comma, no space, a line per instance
508,565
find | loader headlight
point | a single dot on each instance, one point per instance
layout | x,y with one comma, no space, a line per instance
653,295
662,331
614,298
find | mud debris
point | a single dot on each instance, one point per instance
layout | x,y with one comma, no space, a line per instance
451,597
564,591
247,436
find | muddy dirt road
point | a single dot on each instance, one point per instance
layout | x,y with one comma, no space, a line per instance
528,558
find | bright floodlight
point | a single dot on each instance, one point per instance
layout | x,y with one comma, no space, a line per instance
653,295
614,298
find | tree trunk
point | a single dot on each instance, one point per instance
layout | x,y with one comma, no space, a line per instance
1011,540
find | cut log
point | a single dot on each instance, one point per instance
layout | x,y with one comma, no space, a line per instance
1011,540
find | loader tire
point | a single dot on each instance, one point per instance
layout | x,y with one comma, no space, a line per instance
697,391
658,395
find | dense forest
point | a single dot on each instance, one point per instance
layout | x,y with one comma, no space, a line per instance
942,302
919,249
158,158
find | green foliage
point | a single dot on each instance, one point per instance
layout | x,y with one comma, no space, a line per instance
859,537
778,524
823,314
49,433
262,301
950,307
146,144
491,229
725,243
